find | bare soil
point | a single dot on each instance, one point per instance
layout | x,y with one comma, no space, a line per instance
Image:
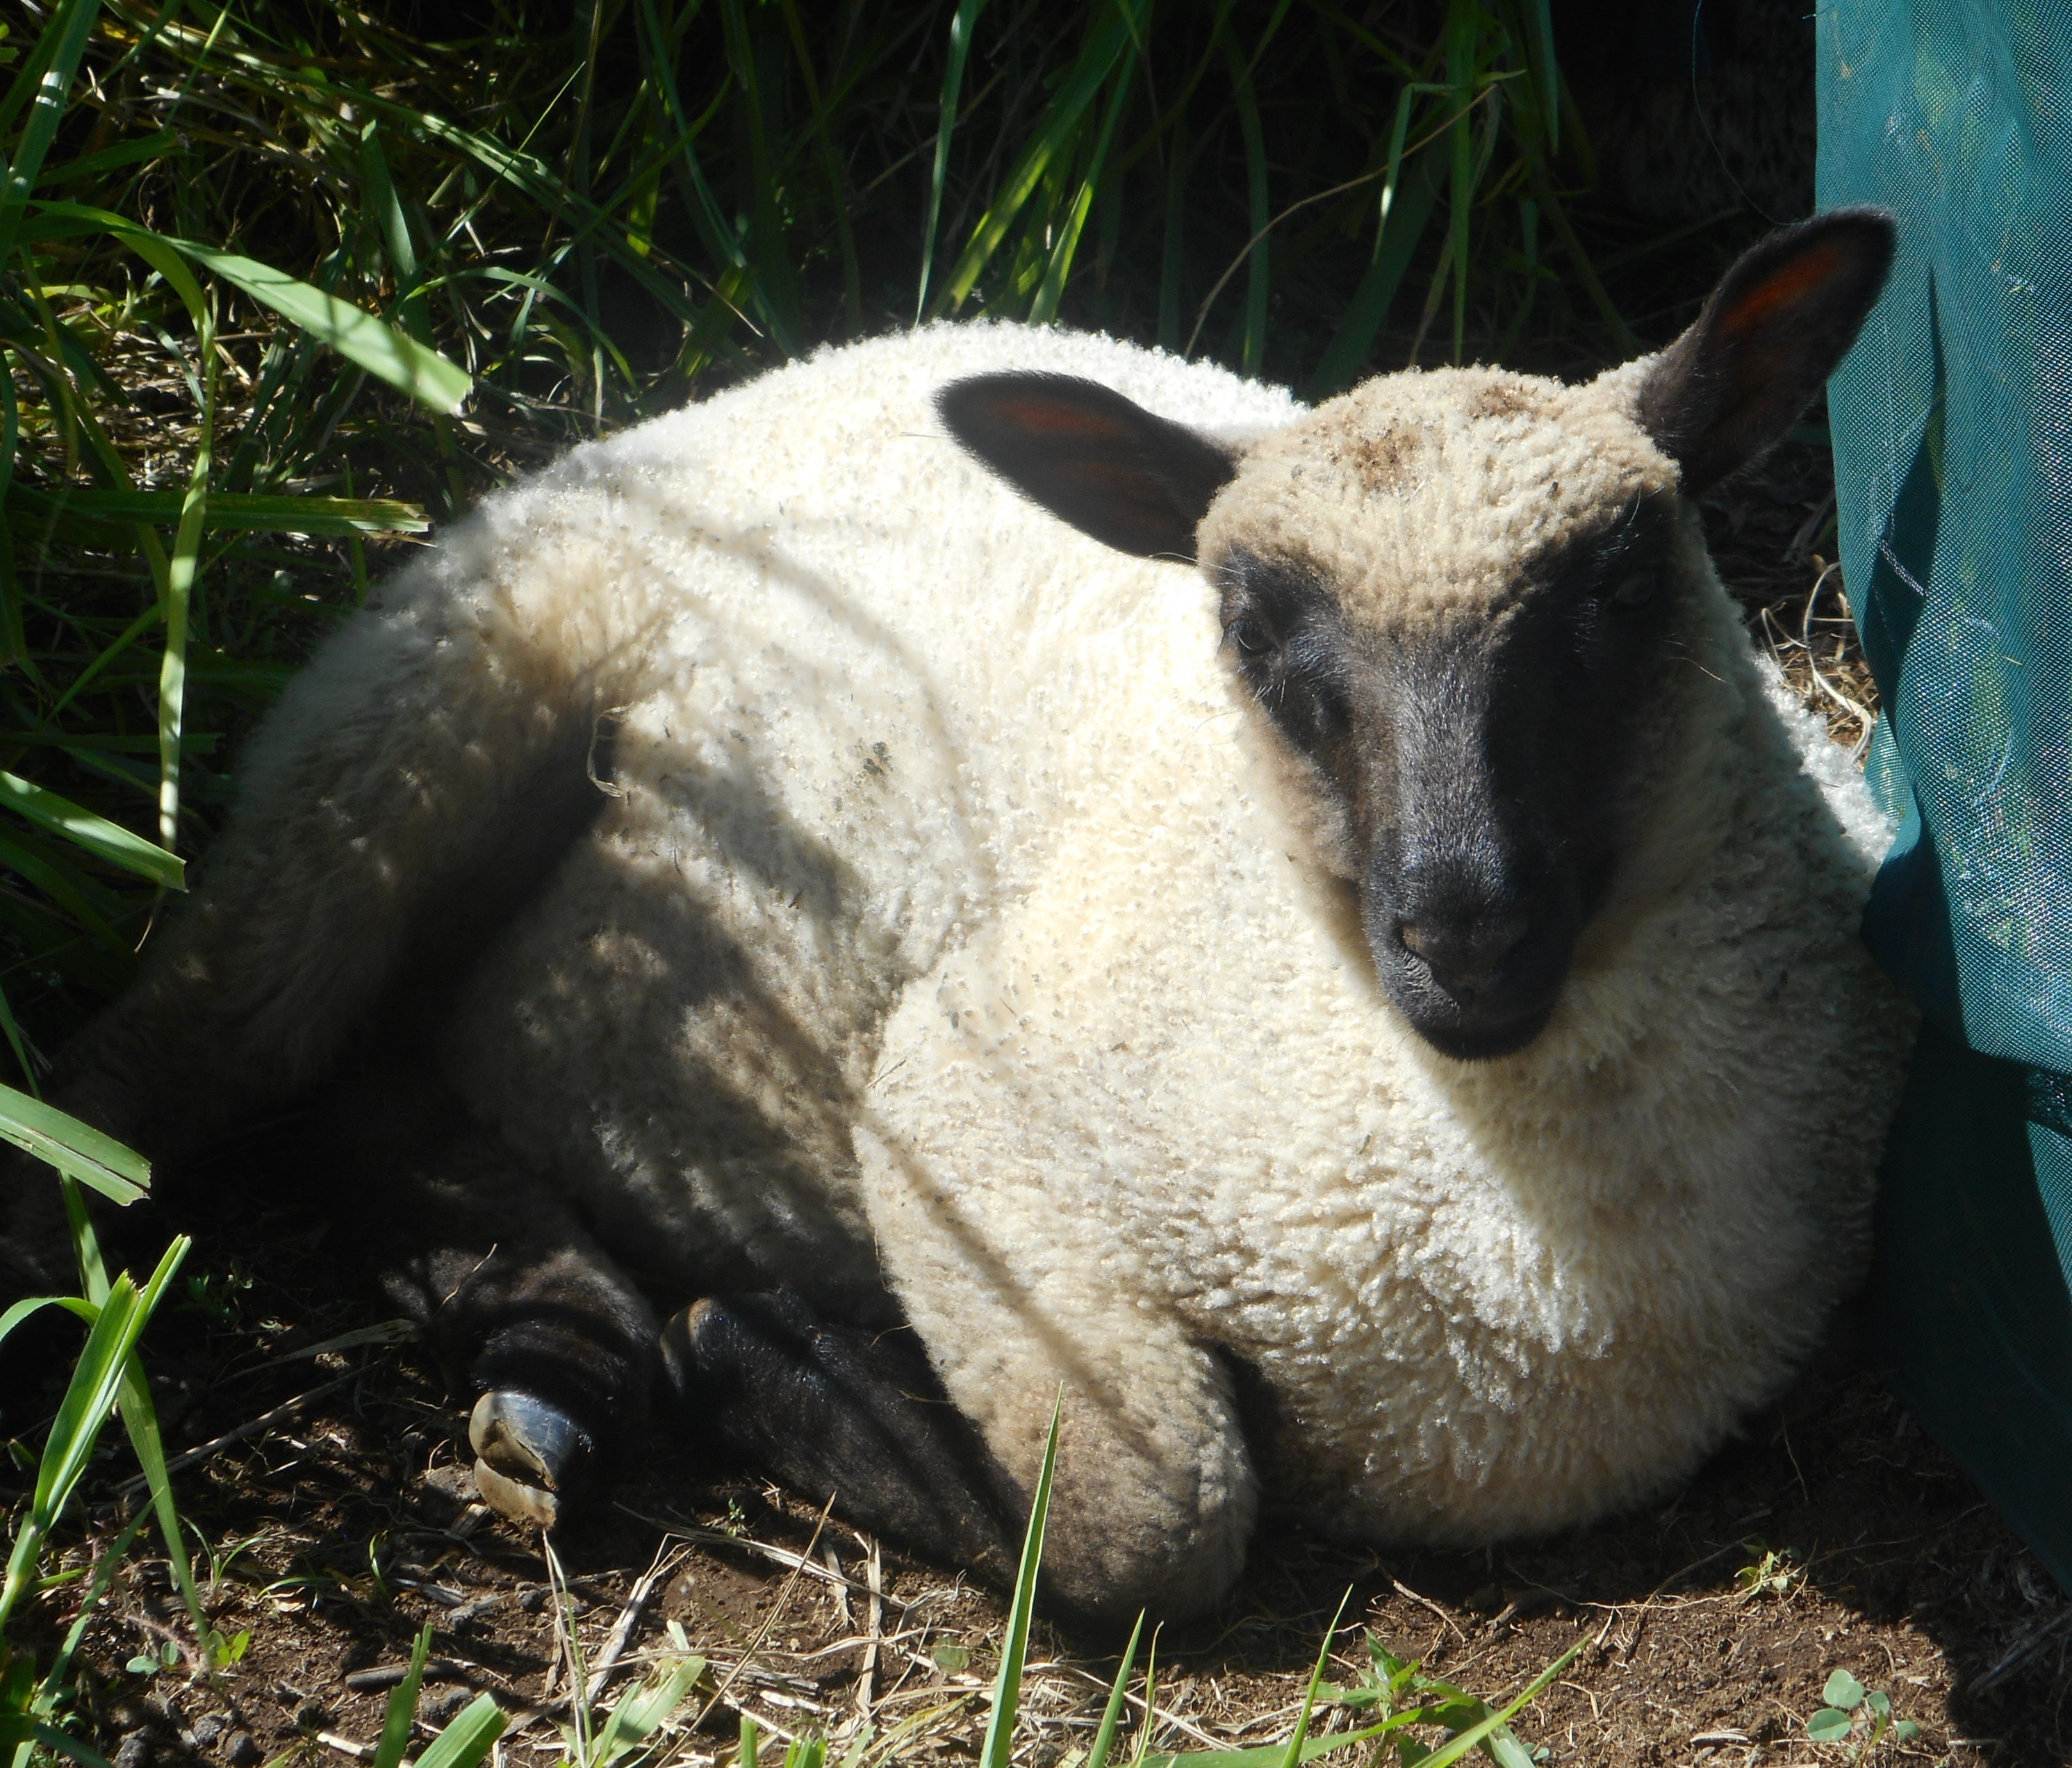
329,1490
1833,1536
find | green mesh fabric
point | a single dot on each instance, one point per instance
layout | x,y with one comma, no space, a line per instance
1952,421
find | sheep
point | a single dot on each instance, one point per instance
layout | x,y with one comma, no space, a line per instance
1372,1025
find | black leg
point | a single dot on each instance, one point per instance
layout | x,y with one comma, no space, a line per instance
514,1296
837,1412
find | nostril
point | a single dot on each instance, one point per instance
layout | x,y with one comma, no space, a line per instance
1465,957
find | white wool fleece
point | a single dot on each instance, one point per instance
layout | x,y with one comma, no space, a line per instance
957,925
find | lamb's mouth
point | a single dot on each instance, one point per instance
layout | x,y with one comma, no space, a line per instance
1479,1038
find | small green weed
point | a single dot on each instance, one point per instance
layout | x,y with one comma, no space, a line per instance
1402,1694
151,1663
1770,1570
219,1296
1857,1715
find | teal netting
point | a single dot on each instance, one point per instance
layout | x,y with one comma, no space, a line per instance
1952,421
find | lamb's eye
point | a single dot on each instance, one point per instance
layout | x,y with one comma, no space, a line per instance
1635,591
1249,636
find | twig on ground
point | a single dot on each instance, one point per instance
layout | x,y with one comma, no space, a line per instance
1136,1700
2026,1647
1405,1590
629,1617
781,1555
874,1576
833,1561
805,1562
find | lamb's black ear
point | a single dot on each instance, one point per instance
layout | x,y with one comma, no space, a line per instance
1781,319
1139,483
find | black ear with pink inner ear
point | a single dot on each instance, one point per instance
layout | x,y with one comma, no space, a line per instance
1778,324
1130,479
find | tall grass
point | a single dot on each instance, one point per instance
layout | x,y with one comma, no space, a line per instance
75,501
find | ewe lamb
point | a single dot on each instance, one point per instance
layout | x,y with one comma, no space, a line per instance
1377,1020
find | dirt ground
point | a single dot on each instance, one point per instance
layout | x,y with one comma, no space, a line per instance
329,1488
1838,1538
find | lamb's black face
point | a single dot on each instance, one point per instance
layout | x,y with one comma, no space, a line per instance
1485,769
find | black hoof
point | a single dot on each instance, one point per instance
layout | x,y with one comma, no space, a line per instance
831,1410
529,1454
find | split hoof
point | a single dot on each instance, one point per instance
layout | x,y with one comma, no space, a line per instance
528,1454
680,1359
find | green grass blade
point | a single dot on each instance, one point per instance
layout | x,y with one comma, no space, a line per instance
60,1743
16,1041
54,220
1463,19
1259,272
388,216
22,1310
467,1737
85,1243
1150,1705
1476,1735
1112,1715
1044,308
641,1709
389,354
1546,72
660,53
27,81
89,167
179,596
403,1705
1557,215
14,645
1415,197
1105,41
104,1569
1173,254
140,1419
776,277
90,1397
71,891
1292,1757
68,27
999,1746
962,22
117,1173
245,512
823,130
96,834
